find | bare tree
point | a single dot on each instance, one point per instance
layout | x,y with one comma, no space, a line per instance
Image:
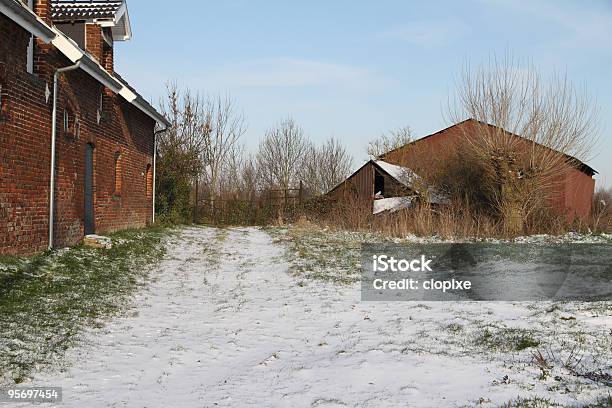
230,182
249,178
389,141
186,114
556,123
602,210
223,127
281,153
178,151
326,166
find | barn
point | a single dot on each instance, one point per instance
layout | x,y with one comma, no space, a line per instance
386,187
383,175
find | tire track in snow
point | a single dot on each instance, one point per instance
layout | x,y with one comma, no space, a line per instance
222,323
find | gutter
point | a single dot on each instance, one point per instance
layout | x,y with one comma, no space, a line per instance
72,51
157,132
27,19
56,75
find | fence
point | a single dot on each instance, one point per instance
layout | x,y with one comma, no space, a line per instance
270,204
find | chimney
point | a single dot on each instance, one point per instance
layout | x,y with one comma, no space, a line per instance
94,41
42,8
42,67
108,51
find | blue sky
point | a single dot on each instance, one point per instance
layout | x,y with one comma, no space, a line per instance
355,69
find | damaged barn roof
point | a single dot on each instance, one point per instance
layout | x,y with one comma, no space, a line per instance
406,177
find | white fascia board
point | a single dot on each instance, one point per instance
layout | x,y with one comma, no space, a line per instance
120,12
127,24
132,98
72,51
127,94
120,24
150,114
101,75
28,21
105,23
121,30
66,46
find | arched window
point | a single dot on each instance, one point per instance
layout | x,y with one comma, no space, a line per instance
70,123
3,100
118,173
149,181
66,120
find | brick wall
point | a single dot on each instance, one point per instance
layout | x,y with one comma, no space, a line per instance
25,134
93,40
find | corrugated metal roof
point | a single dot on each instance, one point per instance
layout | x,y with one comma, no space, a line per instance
70,10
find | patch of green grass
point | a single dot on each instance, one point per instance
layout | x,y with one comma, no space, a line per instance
331,256
454,328
603,402
534,402
47,300
506,339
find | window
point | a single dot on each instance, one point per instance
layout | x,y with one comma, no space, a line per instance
149,181
1,98
4,102
66,121
101,102
76,127
117,173
70,123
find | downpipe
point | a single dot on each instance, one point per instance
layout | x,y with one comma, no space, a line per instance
155,168
56,75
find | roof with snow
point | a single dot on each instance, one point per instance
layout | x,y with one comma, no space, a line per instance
406,177
403,175
392,204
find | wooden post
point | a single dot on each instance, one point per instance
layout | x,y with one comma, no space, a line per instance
195,209
301,193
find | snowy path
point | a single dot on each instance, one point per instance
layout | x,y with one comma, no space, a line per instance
223,324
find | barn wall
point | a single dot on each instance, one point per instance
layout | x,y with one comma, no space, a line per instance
429,151
576,188
359,186
579,191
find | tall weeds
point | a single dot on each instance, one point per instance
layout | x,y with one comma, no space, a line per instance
456,220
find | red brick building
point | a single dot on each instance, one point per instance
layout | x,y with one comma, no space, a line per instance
104,135
575,186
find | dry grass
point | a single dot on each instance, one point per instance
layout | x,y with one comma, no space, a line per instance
456,220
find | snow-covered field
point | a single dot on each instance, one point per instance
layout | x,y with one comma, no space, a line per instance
232,318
